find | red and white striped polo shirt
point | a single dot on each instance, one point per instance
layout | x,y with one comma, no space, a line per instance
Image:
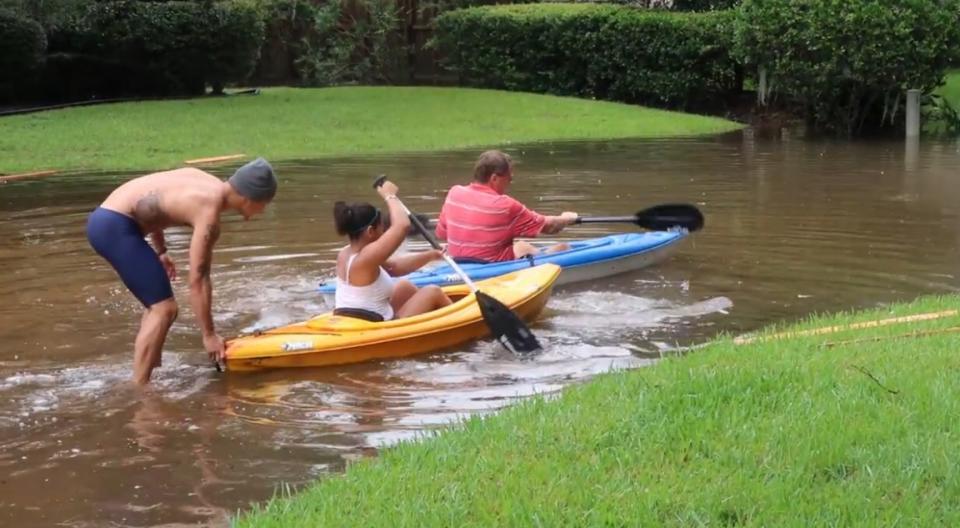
479,223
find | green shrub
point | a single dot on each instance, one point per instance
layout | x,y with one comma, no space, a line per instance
442,6
703,5
158,48
74,77
353,42
22,47
848,63
332,42
601,51
237,31
46,12
672,5
289,27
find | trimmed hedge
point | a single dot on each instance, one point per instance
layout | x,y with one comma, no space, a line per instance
22,47
849,63
672,5
675,5
152,48
704,5
600,51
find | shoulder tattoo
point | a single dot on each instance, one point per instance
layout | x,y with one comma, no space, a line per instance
147,208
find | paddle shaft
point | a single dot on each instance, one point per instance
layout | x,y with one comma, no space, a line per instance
430,238
436,245
505,325
656,218
583,219
602,219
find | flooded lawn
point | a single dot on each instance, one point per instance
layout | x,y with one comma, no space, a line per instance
793,227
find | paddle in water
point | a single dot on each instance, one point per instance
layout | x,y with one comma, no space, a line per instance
656,218
505,326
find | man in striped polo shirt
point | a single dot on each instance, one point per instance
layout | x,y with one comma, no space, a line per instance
480,222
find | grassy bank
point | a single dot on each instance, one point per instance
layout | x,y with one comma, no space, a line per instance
951,88
855,427
284,123
950,91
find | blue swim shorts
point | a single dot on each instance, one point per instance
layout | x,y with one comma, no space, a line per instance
118,239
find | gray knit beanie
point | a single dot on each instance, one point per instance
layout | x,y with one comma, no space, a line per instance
255,181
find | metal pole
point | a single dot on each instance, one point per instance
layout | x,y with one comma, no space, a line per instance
911,156
913,113
762,87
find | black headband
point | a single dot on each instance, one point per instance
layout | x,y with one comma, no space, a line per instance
376,215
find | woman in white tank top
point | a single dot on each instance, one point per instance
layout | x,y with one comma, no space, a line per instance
366,267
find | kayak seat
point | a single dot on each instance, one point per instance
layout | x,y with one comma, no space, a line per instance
359,313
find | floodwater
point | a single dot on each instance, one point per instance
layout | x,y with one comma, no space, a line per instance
793,227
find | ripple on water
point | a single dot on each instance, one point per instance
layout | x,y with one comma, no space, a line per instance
598,317
393,400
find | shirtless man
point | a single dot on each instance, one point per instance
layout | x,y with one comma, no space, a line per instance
148,205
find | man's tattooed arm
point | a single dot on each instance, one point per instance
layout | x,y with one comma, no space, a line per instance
205,235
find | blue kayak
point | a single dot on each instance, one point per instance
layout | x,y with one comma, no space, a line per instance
589,259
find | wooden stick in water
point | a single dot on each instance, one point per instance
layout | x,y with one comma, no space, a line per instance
215,159
27,175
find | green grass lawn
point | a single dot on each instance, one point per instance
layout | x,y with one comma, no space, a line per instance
934,125
951,88
791,432
285,123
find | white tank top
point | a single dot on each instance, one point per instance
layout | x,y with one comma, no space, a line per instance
374,297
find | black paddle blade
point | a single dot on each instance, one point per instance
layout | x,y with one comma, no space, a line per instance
506,326
663,217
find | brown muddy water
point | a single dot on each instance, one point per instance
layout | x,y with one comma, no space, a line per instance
793,227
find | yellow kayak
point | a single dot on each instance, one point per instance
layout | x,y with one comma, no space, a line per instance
336,340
